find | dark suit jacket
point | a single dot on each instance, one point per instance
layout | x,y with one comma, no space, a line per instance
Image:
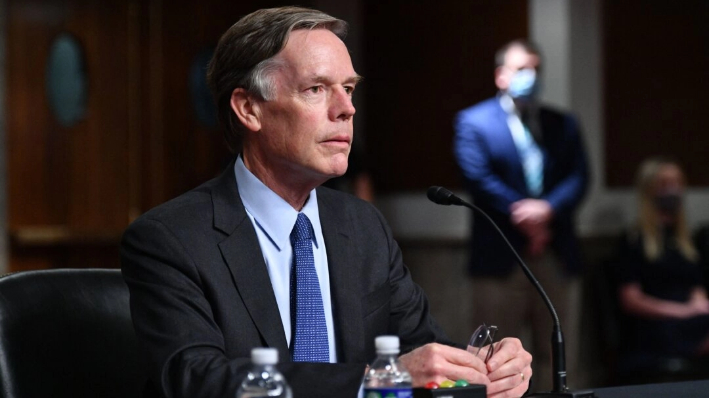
201,297
493,172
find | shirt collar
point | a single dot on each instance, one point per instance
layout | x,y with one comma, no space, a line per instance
508,105
273,215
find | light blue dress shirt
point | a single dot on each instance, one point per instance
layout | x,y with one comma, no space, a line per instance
273,219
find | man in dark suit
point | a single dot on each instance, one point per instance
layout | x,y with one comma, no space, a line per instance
524,164
210,272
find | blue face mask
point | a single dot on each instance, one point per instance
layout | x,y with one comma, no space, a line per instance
524,84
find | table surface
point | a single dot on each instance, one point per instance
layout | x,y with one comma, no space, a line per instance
685,389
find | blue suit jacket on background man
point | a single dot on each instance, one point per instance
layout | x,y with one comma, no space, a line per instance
201,297
495,177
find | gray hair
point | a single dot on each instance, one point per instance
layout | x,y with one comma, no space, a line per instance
244,57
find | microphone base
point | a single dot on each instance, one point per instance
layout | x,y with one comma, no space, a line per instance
563,394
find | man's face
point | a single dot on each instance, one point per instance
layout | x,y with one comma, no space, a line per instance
306,129
516,59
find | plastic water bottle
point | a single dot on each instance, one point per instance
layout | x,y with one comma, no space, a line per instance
387,377
264,380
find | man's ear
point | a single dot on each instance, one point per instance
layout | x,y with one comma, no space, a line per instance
246,108
502,80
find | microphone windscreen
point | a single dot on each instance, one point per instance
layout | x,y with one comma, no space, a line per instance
439,195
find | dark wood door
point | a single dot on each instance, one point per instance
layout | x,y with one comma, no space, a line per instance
69,186
73,189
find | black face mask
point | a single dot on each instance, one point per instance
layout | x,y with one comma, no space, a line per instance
668,203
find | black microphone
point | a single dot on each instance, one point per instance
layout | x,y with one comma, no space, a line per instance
442,196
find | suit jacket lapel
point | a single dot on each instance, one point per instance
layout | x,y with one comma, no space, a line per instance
345,283
242,253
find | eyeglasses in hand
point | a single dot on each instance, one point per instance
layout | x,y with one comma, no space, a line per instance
483,337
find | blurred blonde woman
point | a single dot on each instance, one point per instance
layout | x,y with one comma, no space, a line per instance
660,280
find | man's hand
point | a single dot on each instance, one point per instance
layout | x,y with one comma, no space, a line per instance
531,212
697,306
509,369
532,217
437,363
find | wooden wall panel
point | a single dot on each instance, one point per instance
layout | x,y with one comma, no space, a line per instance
66,185
656,54
192,152
179,150
425,62
98,186
31,140
72,191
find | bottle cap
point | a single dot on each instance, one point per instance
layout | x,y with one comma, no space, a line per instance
387,344
264,356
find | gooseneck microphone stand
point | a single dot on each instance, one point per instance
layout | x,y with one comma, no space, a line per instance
442,196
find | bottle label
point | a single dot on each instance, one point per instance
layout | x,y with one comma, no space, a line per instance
388,393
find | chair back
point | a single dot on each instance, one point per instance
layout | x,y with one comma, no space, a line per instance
67,333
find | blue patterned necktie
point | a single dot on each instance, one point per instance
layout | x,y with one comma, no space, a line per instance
309,332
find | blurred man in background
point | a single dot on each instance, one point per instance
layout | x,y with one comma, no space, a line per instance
525,165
